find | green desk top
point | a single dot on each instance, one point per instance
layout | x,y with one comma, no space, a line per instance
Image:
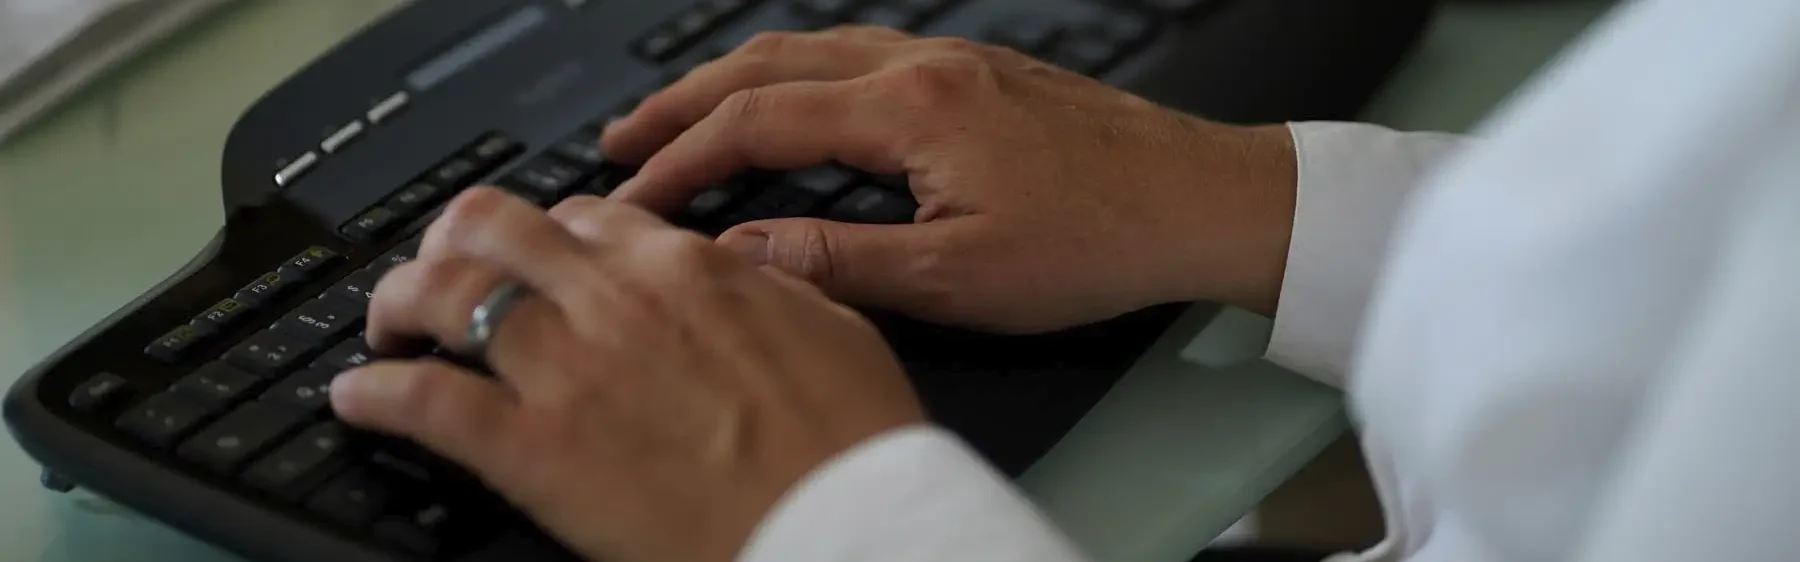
117,190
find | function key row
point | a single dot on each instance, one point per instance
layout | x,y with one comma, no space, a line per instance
667,41
227,314
907,15
444,179
261,415
310,327
1087,47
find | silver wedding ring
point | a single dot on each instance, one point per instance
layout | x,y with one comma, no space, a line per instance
488,315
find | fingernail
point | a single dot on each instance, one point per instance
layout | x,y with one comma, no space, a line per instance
610,125
754,246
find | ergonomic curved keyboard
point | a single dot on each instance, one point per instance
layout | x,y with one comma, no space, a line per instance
203,403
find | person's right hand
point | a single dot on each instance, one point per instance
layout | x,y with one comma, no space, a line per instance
1048,199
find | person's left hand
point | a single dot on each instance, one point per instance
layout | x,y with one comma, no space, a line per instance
656,395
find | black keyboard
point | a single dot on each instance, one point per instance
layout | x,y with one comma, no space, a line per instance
204,403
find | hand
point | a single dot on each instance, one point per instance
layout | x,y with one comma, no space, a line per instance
1047,199
656,395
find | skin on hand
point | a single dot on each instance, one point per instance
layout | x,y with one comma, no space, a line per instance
656,395
1047,199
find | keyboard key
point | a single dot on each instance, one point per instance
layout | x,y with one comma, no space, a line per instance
404,461
222,315
291,468
269,287
581,150
99,393
897,183
309,262
1178,7
455,173
495,149
775,202
172,347
356,290
604,184
728,8
827,10
306,392
924,6
268,353
402,253
224,446
1125,26
661,45
891,17
547,178
353,499
1085,54
875,206
319,321
217,384
415,198
695,22
1030,34
676,72
709,204
419,530
372,225
163,419
350,354
824,181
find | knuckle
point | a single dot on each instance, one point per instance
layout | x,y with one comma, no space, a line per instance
744,105
433,277
943,82
813,254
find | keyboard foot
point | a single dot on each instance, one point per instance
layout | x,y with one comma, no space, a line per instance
55,482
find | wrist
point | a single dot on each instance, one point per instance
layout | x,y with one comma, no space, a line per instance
1239,218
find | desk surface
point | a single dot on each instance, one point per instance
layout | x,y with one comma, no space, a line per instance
1187,443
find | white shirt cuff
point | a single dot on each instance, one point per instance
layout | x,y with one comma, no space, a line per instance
1354,180
915,495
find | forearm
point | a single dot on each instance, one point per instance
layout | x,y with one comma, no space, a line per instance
912,495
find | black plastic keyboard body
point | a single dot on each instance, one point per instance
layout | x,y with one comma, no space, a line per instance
203,403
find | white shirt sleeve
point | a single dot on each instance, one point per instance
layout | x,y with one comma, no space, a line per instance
1355,179
912,495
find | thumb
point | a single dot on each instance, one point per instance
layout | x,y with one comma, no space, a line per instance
859,264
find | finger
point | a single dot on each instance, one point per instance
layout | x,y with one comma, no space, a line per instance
518,237
781,127
867,265
599,221
434,298
770,58
466,418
